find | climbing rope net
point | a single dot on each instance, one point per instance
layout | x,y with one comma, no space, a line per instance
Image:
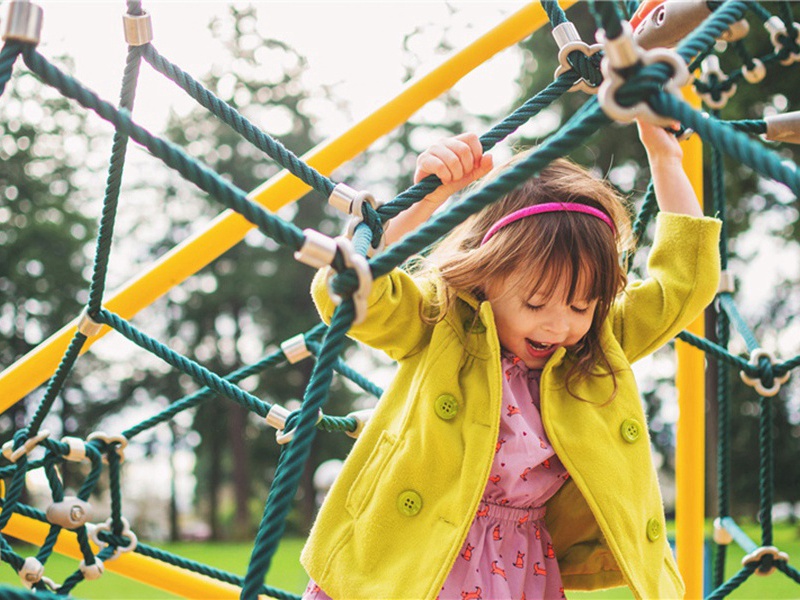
625,77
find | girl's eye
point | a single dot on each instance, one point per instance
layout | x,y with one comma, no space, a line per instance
534,307
580,310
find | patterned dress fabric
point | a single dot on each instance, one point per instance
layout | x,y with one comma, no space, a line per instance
508,552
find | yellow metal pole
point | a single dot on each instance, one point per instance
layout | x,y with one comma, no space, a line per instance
690,451
144,569
229,228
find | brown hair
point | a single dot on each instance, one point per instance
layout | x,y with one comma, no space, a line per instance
543,248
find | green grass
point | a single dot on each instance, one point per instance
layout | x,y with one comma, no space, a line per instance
287,574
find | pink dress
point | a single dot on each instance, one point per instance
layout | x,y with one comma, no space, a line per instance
508,553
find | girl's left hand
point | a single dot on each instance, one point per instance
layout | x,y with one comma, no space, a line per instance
658,143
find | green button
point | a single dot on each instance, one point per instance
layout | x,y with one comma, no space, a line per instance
446,406
653,529
409,503
474,326
631,430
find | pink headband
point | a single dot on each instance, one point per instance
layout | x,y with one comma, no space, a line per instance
547,207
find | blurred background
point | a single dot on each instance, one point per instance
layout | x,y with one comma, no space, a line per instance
304,71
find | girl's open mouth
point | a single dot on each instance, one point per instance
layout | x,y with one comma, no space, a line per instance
540,349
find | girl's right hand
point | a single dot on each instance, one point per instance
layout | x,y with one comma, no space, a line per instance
457,161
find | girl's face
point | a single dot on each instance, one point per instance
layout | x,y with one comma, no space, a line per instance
533,327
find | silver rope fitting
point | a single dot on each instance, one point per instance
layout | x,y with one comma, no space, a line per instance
70,513
727,283
77,449
710,66
23,22
722,537
755,382
31,572
295,348
88,326
276,417
669,22
756,74
353,260
777,29
117,442
318,249
784,127
351,202
568,40
26,448
622,53
138,29
93,530
92,572
361,417
737,31
756,555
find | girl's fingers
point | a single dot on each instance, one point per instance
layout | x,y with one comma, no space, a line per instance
431,164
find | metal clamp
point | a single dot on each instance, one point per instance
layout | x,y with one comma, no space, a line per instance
32,572
70,513
355,261
295,348
92,572
351,202
710,66
756,74
622,53
25,448
88,326
23,22
276,417
669,22
362,417
118,442
568,40
727,283
755,356
138,29
351,231
318,249
722,537
94,530
756,555
777,29
77,449
784,127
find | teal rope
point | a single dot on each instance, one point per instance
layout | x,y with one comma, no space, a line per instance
191,368
206,179
8,56
733,583
238,123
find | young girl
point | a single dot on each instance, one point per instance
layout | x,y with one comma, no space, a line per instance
510,456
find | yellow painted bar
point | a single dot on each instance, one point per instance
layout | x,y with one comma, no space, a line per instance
144,569
30,371
691,431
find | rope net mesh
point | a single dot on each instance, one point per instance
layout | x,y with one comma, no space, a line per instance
643,85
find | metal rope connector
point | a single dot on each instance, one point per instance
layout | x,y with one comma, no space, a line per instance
92,572
359,264
756,74
77,449
722,537
23,22
31,572
318,249
568,40
295,348
69,513
668,23
784,127
117,442
361,417
777,29
88,326
94,530
277,417
710,68
622,53
351,202
138,29
727,283
757,555
755,356
25,448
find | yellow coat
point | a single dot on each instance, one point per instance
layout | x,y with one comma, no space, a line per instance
398,514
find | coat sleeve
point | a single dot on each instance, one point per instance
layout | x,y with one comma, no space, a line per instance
394,308
683,276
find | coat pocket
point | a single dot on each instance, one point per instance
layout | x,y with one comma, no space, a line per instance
364,484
